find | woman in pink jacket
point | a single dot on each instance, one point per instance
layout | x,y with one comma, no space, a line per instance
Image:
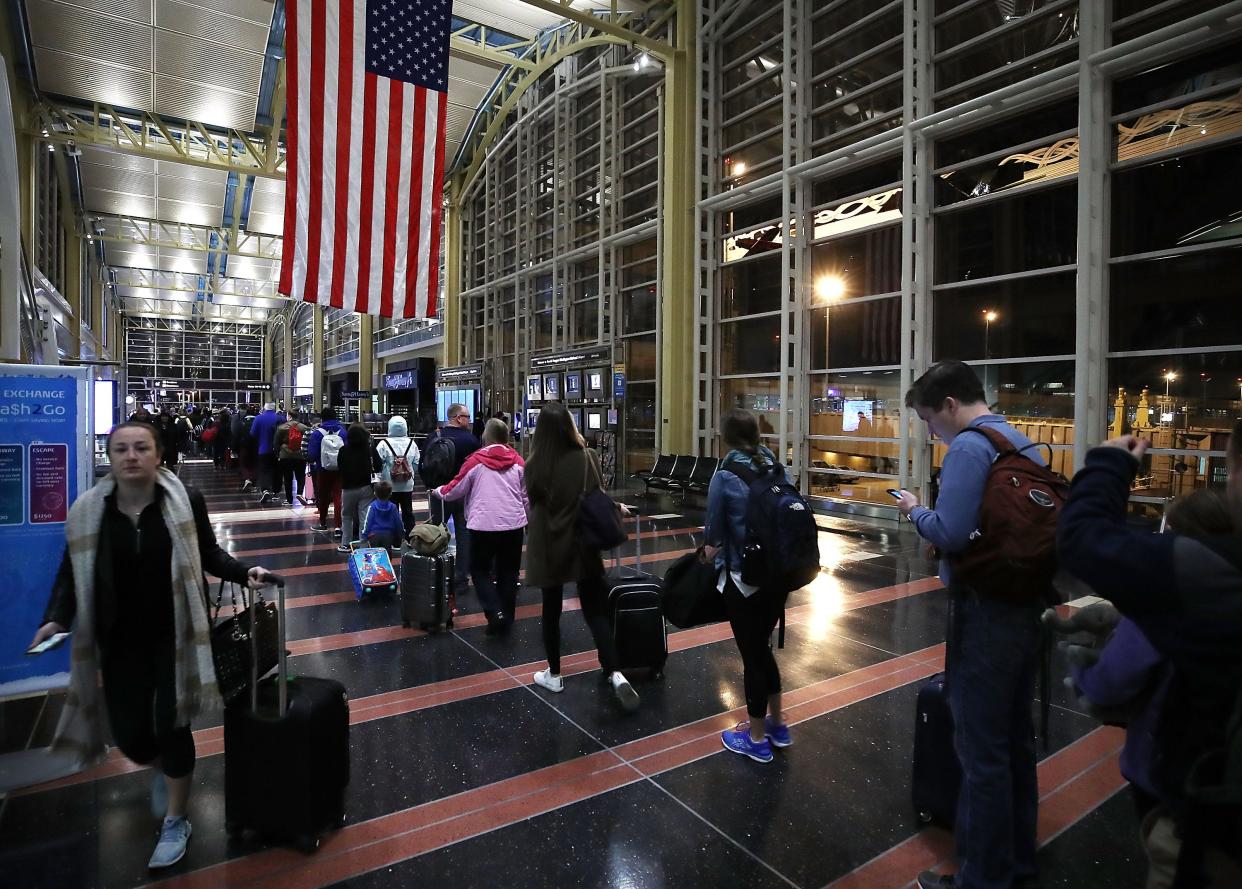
491,481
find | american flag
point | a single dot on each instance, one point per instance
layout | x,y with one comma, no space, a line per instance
366,85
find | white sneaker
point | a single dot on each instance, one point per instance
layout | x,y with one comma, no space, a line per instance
549,680
626,696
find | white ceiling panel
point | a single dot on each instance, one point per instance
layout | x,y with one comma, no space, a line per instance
251,10
87,33
266,223
65,74
189,58
117,203
172,170
263,185
116,180
134,10
267,202
192,214
103,157
257,269
209,104
197,20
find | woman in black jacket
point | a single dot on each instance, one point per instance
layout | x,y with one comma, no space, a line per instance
138,544
357,462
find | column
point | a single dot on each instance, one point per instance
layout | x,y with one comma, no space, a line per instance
452,275
366,360
675,433
317,356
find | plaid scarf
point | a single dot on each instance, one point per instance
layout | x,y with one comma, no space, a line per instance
80,732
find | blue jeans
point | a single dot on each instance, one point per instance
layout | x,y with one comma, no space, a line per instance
993,664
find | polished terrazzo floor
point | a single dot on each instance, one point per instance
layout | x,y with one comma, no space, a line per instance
467,775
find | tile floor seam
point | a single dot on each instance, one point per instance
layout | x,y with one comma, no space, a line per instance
651,779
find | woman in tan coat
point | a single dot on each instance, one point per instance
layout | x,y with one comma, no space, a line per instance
559,471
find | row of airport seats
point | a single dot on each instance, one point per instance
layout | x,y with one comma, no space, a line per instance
679,473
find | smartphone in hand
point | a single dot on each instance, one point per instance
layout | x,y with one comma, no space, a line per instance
48,644
896,493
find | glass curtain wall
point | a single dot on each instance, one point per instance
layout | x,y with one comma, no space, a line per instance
827,287
559,235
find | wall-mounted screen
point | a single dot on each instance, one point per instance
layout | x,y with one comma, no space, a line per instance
576,413
532,417
446,397
595,383
859,417
551,387
105,405
534,387
573,385
595,421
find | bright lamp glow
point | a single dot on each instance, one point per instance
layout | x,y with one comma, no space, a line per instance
829,288
989,315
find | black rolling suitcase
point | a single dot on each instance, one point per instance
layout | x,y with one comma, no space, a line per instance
426,582
937,774
636,615
286,755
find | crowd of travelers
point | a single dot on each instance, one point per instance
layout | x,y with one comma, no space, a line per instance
1171,665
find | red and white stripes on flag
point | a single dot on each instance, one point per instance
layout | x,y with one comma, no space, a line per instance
365,165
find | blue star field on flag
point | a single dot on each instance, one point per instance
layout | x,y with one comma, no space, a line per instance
408,40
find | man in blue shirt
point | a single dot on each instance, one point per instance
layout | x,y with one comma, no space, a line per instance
264,431
993,644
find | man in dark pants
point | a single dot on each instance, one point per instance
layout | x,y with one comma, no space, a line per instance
457,429
994,648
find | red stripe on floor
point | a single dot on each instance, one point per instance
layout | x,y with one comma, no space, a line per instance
1073,782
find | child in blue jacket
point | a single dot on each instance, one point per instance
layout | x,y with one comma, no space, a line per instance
383,525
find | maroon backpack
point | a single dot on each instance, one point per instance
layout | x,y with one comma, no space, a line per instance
1013,553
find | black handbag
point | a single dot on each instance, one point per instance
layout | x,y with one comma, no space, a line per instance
688,593
231,644
599,516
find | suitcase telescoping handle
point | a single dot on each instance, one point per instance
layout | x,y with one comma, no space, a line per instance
638,546
282,682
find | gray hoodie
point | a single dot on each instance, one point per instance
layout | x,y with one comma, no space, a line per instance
394,446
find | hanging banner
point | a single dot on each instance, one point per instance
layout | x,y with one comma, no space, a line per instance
45,462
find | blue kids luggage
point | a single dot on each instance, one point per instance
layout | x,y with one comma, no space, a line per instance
370,568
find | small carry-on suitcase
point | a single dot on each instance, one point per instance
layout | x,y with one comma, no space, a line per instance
286,754
370,568
426,582
937,774
635,614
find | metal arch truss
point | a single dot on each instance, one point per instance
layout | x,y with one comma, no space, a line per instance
472,42
190,311
541,55
150,135
184,282
144,232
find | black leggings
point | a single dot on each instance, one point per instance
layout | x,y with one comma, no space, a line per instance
592,595
753,619
140,690
405,500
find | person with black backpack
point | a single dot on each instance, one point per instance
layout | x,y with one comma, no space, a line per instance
997,589
1185,594
761,536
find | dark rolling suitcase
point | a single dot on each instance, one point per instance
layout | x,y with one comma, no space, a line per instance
286,755
426,582
937,776
636,615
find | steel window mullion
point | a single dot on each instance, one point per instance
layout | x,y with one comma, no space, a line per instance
1204,144
1032,359
1026,188
854,232
1188,350
1004,152
751,112
855,300
942,17
857,60
1001,279
967,85
875,121
752,83
1224,87
1014,25
872,87
752,140
1223,244
752,54
861,23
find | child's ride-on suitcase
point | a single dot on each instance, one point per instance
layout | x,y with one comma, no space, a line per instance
636,615
426,585
286,754
370,568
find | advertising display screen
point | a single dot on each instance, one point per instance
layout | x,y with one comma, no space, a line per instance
859,416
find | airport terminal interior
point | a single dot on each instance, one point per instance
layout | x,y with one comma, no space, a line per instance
653,212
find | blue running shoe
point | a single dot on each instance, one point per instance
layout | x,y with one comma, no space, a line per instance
777,734
174,835
738,740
